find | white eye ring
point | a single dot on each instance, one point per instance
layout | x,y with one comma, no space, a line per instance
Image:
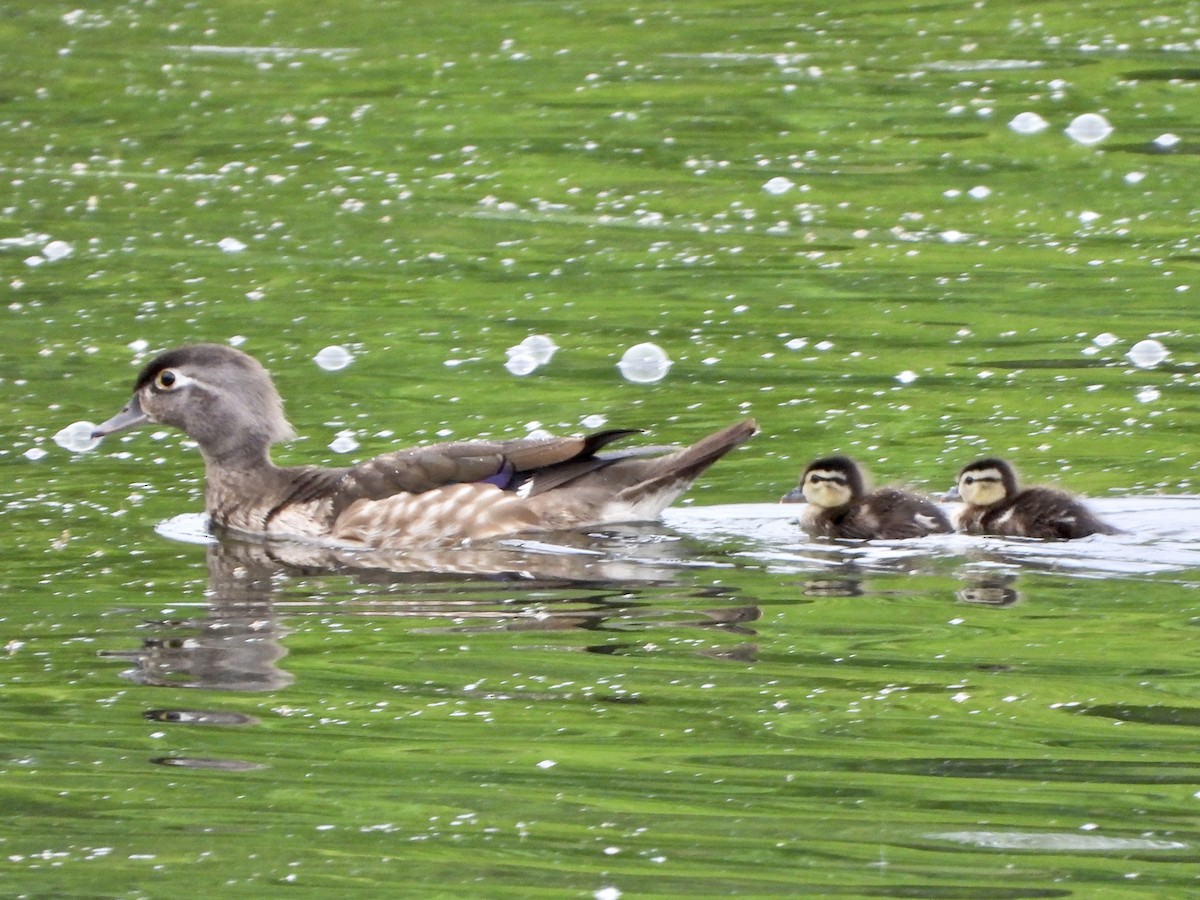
171,380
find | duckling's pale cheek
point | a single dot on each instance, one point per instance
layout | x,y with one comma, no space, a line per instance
981,493
824,494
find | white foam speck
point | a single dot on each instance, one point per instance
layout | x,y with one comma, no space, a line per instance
1105,339
547,764
1164,142
1134,177
1148,395
980,191
33,454
345,442
231,245
796,343
778,185
594,421
907,377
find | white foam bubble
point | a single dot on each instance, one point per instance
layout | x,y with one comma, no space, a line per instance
1089,128
1028,123
57,250
77,437
333,358
644,363
1147,354
231,245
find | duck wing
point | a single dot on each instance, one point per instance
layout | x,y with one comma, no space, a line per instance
540,463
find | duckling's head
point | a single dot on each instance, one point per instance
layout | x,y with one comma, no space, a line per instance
832,482
220,397
986,482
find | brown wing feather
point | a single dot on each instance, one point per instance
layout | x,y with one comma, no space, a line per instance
420,469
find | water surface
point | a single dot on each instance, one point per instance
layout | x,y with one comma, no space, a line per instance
825,220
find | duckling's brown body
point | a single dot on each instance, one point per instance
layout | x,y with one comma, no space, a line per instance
438,495
840,505
995,503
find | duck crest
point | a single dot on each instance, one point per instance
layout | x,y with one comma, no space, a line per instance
435,495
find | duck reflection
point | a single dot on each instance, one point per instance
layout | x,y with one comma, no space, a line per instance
254,587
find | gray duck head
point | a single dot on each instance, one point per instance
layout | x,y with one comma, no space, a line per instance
220,397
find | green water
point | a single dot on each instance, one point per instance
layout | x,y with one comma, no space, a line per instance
427,184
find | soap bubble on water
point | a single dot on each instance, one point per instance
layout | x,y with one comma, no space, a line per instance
77,437
1147,354
1089,128
1028,123
345,442
333,358
1105,339
644,363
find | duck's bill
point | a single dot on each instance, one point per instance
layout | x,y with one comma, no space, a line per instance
131,416
795,495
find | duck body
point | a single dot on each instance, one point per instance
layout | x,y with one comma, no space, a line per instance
995,503
840,505
437,495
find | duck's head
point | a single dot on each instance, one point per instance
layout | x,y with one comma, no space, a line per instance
220,397
986,482
829,483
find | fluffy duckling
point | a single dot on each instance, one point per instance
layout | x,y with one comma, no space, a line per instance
438,495
995,503
840,505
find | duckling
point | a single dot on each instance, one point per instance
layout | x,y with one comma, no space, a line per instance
995,503
840,505
437,495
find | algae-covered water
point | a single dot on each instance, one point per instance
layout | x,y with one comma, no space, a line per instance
835,220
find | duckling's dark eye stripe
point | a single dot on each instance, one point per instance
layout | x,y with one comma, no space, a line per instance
817,479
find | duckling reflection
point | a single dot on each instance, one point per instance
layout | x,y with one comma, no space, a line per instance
990,590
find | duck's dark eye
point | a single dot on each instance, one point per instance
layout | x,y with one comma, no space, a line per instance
165,379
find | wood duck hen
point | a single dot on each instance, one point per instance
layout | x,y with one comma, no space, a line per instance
438,495
995,503
840,505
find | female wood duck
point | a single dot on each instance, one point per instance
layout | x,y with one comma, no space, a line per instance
995,503
439,495
840,505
